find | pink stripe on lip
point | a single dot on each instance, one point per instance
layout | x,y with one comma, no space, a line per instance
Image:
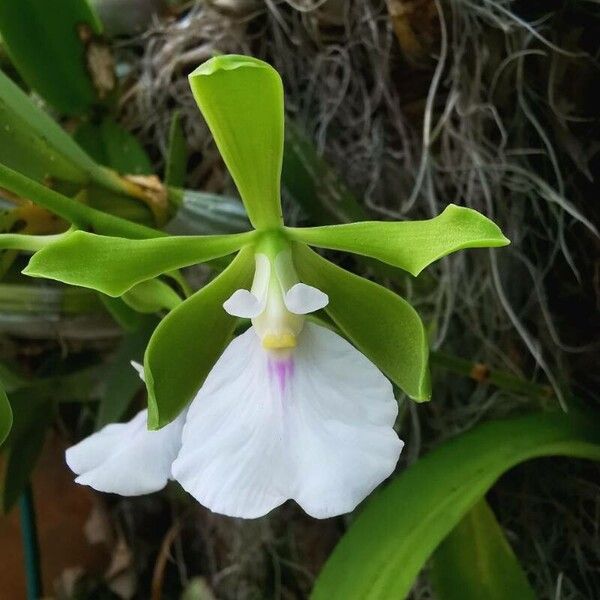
282,370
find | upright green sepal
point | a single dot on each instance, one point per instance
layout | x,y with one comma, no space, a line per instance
241,99
189,340
409,245
113,265
381,324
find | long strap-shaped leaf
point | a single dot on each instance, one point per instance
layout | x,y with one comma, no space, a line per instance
75,212
48,43
390,541
476,561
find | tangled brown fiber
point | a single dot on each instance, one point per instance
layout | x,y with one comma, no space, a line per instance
488,104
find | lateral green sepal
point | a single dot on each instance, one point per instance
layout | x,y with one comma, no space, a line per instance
409,245
113,265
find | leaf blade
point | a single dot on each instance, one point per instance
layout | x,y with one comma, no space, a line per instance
408,245
34,144
396,341
385,549
476,561
62,77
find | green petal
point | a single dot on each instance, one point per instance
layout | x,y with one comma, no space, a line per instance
409,245
189,340
383,326
241,99
113,265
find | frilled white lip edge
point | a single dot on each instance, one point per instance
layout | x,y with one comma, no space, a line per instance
315,425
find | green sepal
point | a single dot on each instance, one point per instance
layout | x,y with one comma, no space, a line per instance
241,99
381,324
409,245
113,265
476,561
189,340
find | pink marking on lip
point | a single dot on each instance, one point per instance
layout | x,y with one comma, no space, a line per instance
282,370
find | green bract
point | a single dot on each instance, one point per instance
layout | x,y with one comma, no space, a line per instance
241,99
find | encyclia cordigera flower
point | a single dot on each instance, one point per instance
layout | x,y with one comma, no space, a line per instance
290,408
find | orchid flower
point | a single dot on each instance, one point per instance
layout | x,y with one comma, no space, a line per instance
292,408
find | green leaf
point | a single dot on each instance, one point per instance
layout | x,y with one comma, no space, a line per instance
6,417
113,265
152,296
392,538
111,145
189,340
381,324
177,155
241,99
32,143
121,381
476,561
22,447
409,245
54,47
36,146
71,210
